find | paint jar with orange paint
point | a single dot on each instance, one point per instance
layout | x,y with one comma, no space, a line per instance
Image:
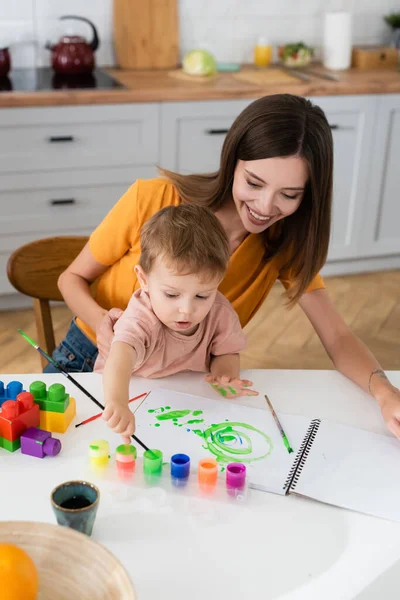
207,474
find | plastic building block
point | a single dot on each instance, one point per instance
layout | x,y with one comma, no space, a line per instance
10,392
18,415
58,422
39,443
10,446
54,399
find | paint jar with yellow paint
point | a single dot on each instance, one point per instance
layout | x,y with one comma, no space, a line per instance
99,454
262,53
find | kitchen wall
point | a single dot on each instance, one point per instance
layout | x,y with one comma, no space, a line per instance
226,27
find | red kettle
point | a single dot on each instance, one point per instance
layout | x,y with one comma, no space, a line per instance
73,54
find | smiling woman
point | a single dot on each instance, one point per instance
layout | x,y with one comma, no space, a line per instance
272,195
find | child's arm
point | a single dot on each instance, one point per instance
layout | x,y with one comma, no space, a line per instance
225,377
225,365
117,372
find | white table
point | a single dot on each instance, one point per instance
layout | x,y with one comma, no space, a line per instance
272,547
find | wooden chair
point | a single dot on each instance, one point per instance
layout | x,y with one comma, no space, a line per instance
34,269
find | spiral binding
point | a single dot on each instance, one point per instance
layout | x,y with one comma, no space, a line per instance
300,460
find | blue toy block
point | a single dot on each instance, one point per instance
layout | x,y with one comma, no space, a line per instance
10,392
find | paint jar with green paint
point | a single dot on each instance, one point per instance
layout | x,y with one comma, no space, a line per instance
152,464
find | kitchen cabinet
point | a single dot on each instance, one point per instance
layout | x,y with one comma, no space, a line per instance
63,168
352,121
192,133
381,223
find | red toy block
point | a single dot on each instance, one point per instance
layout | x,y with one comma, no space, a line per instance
18,415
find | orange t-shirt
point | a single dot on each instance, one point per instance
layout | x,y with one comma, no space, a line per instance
116,243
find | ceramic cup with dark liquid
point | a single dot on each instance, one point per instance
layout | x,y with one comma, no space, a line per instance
75,505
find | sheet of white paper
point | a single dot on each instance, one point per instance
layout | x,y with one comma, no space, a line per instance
354,469
200,427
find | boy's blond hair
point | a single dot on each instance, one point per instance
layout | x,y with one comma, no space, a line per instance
189,238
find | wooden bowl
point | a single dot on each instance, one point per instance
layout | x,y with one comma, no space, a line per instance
70,564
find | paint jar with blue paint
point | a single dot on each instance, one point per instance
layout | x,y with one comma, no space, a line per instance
152,465
180,469
235,479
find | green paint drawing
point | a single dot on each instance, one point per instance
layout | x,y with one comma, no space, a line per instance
173,415
191,421
196,413
233,440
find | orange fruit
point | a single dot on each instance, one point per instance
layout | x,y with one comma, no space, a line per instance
18,574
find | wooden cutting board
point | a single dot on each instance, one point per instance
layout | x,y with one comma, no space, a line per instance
265,77
146,33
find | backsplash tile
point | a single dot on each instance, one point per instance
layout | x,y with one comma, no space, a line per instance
228,28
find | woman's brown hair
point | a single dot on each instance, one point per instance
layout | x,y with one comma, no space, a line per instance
276,126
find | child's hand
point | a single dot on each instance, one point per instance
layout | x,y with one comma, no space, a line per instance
120,419
231,388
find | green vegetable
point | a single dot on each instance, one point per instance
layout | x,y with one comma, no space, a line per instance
291,50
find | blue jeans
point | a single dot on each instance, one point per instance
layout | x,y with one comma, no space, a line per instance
76,352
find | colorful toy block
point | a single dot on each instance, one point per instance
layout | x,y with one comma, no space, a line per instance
10,392
18,415
58,422
39,443
10,446
54,399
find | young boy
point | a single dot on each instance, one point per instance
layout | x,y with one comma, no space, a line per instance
178,320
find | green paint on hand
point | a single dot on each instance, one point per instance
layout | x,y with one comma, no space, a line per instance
174,414
223,392
232,391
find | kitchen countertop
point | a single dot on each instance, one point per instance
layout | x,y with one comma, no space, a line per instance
159,86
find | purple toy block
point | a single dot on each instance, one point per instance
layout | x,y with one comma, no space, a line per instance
37,442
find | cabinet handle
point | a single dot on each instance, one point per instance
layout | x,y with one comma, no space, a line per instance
61,138
60,201
217,131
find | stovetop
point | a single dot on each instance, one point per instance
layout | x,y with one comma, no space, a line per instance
43,79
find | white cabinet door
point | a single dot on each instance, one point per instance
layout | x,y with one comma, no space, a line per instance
352,120
78,137
381,223
192,133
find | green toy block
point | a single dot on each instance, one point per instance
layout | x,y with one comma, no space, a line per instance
53,400
10,446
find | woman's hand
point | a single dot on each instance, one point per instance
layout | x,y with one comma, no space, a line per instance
105,331
231,388
389,401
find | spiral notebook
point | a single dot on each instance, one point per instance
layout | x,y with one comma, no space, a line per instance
348,467
331,463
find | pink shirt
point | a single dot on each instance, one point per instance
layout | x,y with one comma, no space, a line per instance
161,351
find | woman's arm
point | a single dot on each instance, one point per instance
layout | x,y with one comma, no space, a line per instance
74,284
350,356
